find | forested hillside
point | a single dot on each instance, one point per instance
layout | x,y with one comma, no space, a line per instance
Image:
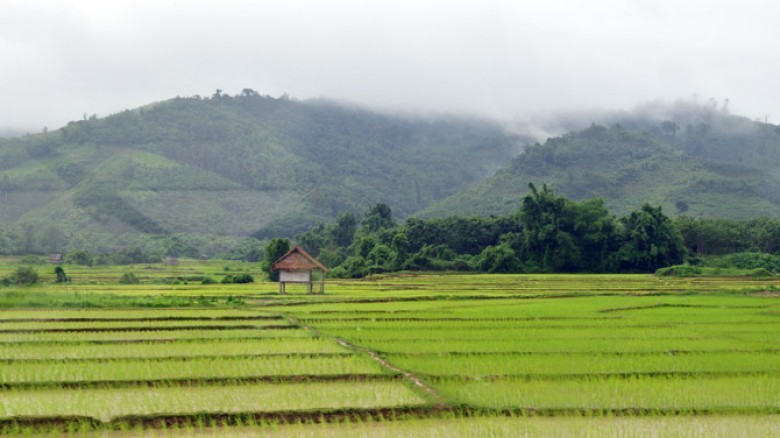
229,166
691,159
219,174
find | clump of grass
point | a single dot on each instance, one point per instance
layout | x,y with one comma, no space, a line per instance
129,278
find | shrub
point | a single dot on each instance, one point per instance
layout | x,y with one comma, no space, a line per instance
238,278
61,277
129,278
499,259
102,260
679,271
207,280
749,260
231,300
693,271
79,258
760,272
24,276
31,260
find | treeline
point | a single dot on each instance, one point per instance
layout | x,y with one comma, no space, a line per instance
125,248
548,233
705,237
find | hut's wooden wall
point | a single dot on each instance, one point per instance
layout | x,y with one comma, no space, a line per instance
295,276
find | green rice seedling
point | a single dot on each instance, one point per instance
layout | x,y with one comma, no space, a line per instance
205,347
727,394
139,314
151,335
487,425
109,403
575,345
194,368
134,325
481,366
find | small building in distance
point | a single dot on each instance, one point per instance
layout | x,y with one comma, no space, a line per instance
57,258
296,266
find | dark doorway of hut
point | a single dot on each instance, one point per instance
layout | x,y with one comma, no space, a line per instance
298,267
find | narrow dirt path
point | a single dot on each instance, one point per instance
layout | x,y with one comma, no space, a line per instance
438,399
408,375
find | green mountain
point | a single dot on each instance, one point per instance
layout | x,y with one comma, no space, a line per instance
231,166
205,173
690,159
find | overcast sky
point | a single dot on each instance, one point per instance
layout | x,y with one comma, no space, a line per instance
507,59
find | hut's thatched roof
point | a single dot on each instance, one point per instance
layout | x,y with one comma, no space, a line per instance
297,259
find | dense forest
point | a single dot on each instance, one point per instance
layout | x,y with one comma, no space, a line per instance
546,233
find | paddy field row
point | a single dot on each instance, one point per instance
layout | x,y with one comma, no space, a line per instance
478,357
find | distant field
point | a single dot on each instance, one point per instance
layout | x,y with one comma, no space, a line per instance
403,355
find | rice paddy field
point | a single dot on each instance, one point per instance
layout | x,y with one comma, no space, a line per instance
402,355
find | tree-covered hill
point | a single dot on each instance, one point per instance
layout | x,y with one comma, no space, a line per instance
691,159
232,166
204,173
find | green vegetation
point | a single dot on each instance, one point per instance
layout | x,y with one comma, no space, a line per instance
236,279
163,369
22,276
549,233
161,335
276,248
688,158
652,394
196,175
129,278
60,275
407,353
738,264
488,425
108,403
223,175
215,348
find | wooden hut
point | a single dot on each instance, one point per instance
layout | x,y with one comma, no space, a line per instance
57,258
296,266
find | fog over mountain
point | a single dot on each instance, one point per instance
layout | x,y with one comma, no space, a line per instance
513,61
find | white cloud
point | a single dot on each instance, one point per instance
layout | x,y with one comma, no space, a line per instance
501,58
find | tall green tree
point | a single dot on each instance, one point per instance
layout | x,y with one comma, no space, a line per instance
544,217
650,241
566,236
344,232
276,248
379,217
315,239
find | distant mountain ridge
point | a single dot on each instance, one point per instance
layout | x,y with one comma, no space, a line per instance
689,158
235,166
213,171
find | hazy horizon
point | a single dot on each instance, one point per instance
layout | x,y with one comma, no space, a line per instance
497,59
